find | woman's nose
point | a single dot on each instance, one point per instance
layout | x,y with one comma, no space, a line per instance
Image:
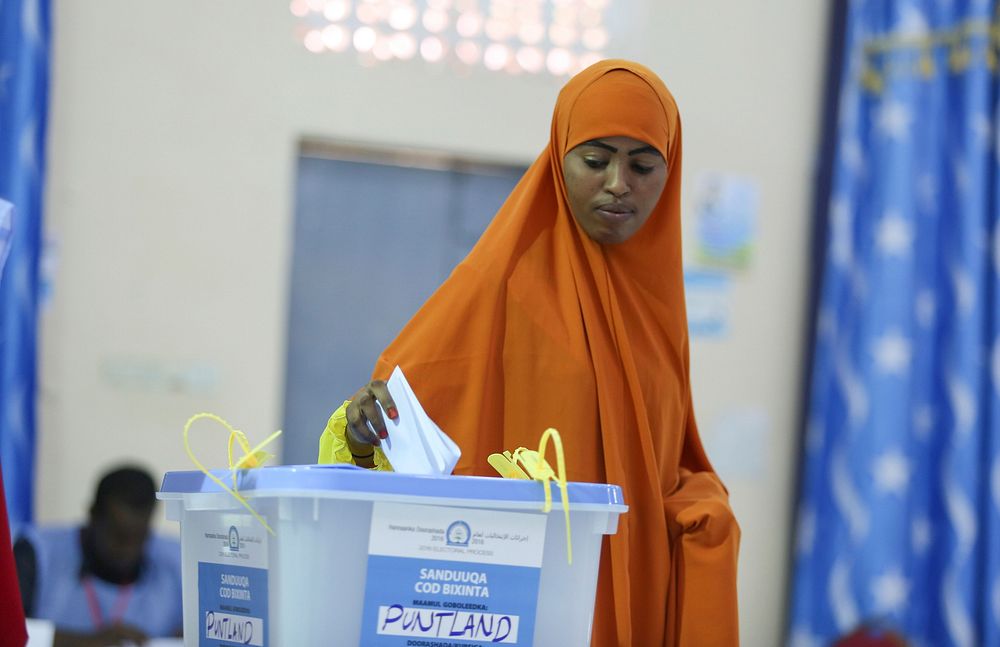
616,182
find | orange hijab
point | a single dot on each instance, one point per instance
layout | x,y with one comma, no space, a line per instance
540,326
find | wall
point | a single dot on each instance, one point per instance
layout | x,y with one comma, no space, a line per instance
172,149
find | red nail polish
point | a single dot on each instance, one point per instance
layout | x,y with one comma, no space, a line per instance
383,434
393,413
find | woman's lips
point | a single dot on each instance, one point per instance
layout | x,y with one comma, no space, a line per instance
614,213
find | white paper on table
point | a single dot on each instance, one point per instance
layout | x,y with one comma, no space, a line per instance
416,445
41,633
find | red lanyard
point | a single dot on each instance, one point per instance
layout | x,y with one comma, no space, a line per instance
117,613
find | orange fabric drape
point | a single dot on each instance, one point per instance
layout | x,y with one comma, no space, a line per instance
542,327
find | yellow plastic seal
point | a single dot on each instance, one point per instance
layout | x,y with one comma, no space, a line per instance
252,458
524,463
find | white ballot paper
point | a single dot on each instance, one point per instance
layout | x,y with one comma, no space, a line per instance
416,445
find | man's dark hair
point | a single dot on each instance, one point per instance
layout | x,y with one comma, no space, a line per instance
128,484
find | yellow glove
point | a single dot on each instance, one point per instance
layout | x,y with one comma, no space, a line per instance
333,447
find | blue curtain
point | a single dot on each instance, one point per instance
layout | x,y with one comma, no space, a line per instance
24,80
898,523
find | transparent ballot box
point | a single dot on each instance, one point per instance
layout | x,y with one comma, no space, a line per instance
354,557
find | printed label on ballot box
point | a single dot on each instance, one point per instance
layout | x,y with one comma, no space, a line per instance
451,577
231,550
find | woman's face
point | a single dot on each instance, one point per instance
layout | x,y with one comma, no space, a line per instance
613,185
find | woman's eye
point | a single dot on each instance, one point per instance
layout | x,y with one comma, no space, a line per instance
642,169
595,163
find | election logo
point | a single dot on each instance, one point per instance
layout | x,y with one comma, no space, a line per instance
458,534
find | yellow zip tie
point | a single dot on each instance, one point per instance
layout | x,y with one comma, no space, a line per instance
537,467
252,458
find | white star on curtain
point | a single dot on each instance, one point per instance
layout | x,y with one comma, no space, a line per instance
895,235
891,471
894,119
892,353
890,591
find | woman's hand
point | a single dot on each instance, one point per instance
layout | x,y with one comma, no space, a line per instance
365,424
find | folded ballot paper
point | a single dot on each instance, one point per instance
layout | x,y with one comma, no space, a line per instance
416,445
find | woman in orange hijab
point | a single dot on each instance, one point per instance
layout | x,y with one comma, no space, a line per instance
569,313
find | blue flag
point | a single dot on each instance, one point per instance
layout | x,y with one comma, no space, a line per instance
24,81
899,511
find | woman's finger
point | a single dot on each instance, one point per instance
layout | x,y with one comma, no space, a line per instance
381,392
372,414
358,430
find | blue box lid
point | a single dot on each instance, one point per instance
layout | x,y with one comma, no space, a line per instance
301,480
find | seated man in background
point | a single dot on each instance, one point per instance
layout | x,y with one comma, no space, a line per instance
110,582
